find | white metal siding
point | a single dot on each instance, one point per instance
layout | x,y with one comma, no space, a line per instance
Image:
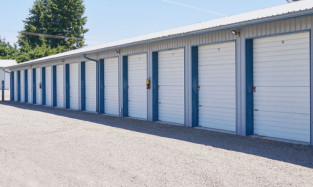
15,86
30,83
2,78
111,86
171,86
48,86
137,92
282,81
91,86
38,89
6,81
22,86
74,86
60,86
217,83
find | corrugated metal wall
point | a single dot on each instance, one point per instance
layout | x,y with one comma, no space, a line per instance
266,29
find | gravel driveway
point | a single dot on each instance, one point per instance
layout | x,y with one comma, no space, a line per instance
41,146
6,95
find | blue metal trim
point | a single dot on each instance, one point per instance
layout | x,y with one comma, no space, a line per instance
12,86
67,82
97,87
195,84
54,85
83,85
34,86
18,86
101,99
249,87
185,95
125,86
26,85
43,85
155,85
311,91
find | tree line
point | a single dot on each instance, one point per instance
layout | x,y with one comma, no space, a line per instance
52,26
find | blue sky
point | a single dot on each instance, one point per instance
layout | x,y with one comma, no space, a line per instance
110,20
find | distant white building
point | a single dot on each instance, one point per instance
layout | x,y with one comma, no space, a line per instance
5,75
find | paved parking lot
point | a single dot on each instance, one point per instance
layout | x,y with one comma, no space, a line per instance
41,146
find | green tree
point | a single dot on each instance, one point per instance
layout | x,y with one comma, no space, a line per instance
34,23
28,53
63,18
7,51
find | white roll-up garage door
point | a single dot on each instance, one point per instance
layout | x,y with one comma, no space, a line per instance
74,86
60,86
91,86
48,86
111,86
15,86
22,86
137,92
282,86
30,85
217,86
38,88
171,86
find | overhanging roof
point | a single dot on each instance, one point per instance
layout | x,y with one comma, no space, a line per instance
296,9
7,63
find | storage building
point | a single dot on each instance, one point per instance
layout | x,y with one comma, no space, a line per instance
248,74
5,75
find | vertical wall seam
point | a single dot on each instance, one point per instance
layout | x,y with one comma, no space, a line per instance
249,87
195,84
43,79
311,89
101,99
83,85
18,86
67,87
97,87
26,85
54,92
34,86
125,86
12,86
155,84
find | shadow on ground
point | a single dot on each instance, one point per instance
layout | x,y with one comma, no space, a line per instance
294,154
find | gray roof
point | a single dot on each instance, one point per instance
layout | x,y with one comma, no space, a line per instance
7,63
301,8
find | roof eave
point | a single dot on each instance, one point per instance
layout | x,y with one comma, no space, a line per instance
209,30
